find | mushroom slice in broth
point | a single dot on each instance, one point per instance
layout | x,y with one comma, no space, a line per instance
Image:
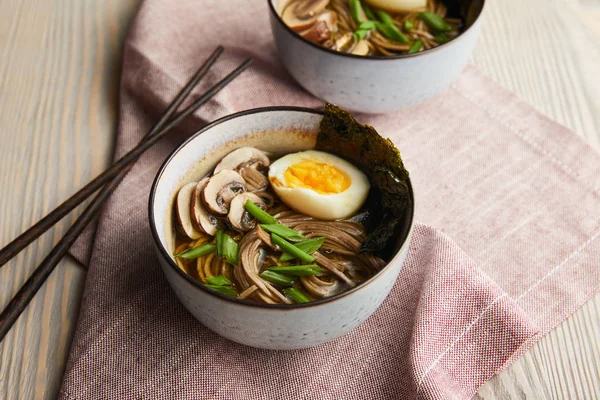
239,218
202,220
243,157
220,189
184,220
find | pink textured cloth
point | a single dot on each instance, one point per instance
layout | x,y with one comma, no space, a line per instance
513,197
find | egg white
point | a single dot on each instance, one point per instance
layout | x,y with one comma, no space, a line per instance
320,205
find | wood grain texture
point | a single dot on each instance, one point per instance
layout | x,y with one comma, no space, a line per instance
59,63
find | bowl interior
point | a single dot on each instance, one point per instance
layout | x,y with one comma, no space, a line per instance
278,130
467,10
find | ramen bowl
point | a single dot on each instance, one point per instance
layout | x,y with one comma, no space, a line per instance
278,130
376,84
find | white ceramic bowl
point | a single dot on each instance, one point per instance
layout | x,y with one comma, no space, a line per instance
280,130
374,84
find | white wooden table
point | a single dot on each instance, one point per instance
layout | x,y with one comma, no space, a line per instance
59,73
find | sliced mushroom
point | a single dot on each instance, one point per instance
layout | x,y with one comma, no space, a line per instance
255,180
220,189
344,42
310,8
361,48
330,18
291,19
317,33
240,219
184,198
267,198
202,220
243,157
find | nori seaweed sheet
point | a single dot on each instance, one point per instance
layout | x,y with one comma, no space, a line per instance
340,134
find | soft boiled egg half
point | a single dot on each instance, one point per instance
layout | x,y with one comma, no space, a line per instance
319,184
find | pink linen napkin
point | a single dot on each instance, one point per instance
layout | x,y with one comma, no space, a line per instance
513,197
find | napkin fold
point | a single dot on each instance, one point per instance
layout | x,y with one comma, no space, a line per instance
513,197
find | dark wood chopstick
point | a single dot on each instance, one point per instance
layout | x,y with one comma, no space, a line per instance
23,240
20,301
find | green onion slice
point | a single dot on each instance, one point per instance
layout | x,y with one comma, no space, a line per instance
230,249
283,231
220,243
297,270
277,278
296,295
218,280
226,290
308,246
435,22
392,32
415,47
356,11
196,252
291,249
368,12
261,216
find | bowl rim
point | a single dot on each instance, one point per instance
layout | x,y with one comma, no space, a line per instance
284,307
354,56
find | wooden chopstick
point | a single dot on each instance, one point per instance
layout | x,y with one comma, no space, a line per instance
23,240
116,172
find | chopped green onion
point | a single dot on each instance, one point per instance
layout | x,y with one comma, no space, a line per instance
392,32
218,280
283,231
196,252
368,12
308,246
296,295
435,22
276,278
442,38
366,25
408,25
297,270
230,249
360,34
356,11
385,17
415,47
226,290
220,243
261,216
291,249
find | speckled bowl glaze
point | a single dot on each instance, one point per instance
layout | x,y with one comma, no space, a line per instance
375,84
278,130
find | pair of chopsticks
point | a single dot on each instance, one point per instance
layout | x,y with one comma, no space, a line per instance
107,183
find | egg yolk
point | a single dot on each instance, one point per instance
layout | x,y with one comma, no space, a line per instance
320,177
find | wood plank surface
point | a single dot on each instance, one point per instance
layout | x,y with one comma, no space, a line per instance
59,63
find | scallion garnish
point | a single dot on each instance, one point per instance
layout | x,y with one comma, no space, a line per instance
283,231
296,295
261,216
368,12
230,249
196,252
392,32
277,278
220,243
291,249
356,11
226,290
218,280
408,26
308,246
435,22
415,47
297,270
